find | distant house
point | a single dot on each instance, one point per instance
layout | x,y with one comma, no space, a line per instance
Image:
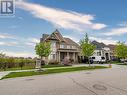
61,47
102,51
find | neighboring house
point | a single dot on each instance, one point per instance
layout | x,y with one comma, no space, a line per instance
112,49
61,47
102,52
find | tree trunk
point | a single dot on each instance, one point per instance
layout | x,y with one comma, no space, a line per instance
88,61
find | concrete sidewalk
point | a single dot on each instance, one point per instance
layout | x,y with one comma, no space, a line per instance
4,73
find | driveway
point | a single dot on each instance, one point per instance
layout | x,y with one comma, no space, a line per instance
97,82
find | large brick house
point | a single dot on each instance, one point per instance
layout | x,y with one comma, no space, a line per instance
61,47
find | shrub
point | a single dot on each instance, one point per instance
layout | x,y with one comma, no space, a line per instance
10,62
53,62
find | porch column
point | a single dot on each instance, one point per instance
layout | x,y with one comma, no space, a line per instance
68,55
74,56
59,56
109,56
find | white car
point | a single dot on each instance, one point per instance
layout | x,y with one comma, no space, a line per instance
98,59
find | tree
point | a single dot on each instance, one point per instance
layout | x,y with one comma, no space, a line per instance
121,50
43,49
21,63
86,47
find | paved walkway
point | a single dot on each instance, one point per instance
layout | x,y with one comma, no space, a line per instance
4,73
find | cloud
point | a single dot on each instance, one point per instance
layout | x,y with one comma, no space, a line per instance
19,54
106,41
6,36
116,31
61,18
32,42
8,43
124,24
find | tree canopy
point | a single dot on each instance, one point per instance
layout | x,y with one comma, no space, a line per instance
43,49
121,50
86,46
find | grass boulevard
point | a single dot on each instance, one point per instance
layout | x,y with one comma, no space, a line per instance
51,71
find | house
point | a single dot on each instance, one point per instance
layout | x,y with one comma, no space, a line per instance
102,52
62,47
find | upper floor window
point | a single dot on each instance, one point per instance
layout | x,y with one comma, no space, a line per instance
53,44
98,53
61,46
73,47
68,46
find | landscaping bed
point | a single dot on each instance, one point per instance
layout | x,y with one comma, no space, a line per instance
51,71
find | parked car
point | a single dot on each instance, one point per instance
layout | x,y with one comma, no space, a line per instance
123,61
98,59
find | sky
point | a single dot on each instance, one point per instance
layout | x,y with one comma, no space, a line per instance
104,21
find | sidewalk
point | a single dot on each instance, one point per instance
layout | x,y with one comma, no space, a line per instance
4,73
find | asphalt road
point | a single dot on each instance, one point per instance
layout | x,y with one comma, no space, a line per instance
98,82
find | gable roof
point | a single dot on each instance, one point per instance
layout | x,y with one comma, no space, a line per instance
55,36
70,42
98,45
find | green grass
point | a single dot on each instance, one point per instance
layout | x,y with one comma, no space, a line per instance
50,71
52,66
122,64
18,68
32,67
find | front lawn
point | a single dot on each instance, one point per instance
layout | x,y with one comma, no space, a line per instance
50,71
18,68
32,67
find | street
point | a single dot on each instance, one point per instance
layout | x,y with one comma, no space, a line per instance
111,81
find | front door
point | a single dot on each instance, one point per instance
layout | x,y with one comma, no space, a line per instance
62,55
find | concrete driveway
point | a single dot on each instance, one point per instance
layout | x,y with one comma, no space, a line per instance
98,82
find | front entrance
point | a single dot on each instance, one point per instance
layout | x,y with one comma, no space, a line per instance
69,55
62,56
107,56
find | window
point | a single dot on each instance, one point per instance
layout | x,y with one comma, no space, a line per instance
102,58
73,47
93,57
98,53
68,46
61,46
53,44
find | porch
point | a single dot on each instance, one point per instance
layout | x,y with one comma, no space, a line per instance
62,54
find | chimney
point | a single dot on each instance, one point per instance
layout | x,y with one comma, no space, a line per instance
44,36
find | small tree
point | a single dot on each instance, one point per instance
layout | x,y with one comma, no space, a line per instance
21,63
121,50
86,47
43,49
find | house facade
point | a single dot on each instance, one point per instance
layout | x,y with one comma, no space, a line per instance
102,51
61,47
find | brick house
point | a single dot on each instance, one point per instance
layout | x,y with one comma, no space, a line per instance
61,47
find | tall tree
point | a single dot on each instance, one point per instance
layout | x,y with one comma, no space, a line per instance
43,49
121,50
86,47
